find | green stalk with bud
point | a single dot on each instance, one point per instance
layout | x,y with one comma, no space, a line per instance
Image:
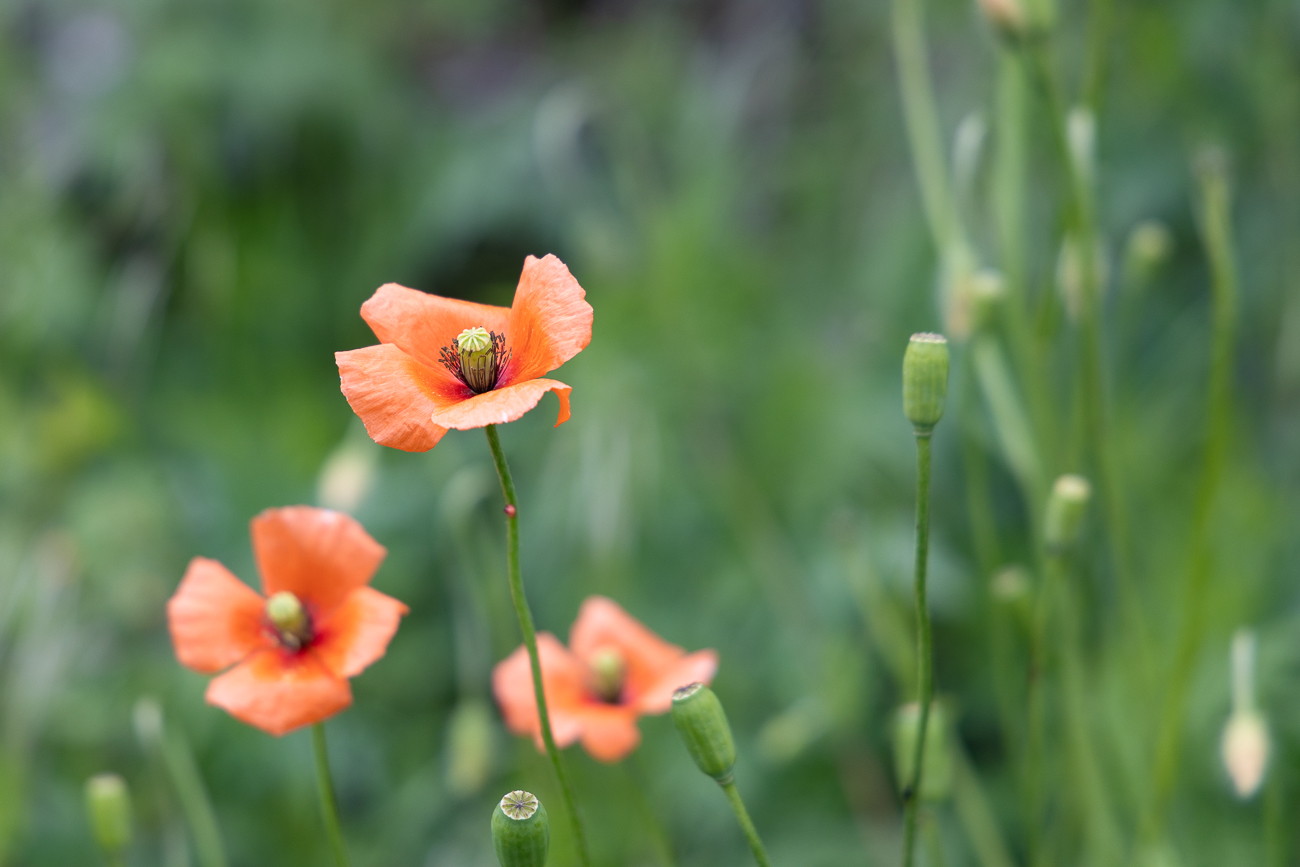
703,725
925,392
108,804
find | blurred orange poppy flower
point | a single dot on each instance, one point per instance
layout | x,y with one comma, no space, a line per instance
444,363
293,650
614,670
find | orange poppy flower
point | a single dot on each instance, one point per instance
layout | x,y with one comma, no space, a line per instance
613,671
294,651
444,363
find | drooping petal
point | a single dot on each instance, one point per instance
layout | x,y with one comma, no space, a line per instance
214,618
279,691
550,320
421,324
319,555
392,392
609,732
602,624
698,667
563,683
500,405
357,633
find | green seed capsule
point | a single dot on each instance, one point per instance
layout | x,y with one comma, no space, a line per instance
703,725
925,381
109,806
1066,507
521,833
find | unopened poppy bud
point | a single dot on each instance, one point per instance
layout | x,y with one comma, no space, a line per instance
109,806
703,725
147,719
469,747
925,381
1149,245
607,672
477,358
1245,750
1006,16
988,290
1066,506
521,832
936,770
1010,584
289,619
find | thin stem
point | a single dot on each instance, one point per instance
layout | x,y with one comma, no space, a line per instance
924,658
742,816
525,616
640,787
329,809
193,796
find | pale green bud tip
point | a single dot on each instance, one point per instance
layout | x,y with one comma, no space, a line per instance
1150,242
289,618
1066,507
925,380
474,340
109,806
521,831
987,290
1010,584
702,723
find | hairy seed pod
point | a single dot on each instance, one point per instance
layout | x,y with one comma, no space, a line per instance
702,722
925,381
1066,506
109,806
521,832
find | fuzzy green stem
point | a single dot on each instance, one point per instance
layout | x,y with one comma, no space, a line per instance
329,808
525,615
199,815
924,657
746,825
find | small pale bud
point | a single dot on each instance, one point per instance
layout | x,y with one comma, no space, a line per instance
988,291
702,723
1069,274
1148,247
289,619
147,719
1007,17
469,747
521,831
109,806
1010,585
1066,506
1081,130
1245,749
936,768
925,381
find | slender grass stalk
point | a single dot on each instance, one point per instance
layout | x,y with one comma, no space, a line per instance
525,615
746,824
329,809
933,840
193,795
1216,233
640,786
976,813
924,649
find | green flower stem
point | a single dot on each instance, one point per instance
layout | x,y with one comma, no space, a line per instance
924,653
199,815
329,808
640,788
525,616
1216,232
746,825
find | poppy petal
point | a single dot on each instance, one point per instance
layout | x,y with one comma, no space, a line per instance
214,618
278,692
421,324
609,732
602,623
499,405
357,633
563,682
390,391
319,555
698,667
550,320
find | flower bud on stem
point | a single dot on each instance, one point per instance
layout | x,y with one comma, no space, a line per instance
925,381
109,806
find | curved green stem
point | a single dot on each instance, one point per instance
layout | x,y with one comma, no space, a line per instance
525,616
924,658
746,825
329,809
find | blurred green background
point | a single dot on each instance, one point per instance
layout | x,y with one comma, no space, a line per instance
197,195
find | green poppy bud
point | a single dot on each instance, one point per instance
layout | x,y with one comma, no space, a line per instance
1066,507
702,722
521,833
1149,246
289,619
109,806
988,291
936,769
925,381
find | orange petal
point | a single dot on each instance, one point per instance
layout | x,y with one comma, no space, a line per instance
550,320
278,691
698,667
421,324
319,555
563,682
609,731
499,405
215,619
391,392
602,623
358,631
